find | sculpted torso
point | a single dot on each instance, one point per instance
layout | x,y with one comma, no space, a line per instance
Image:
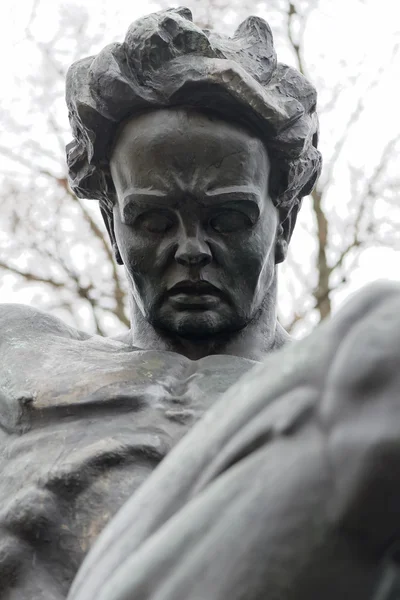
84,420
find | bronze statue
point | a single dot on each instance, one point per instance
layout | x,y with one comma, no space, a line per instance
199,149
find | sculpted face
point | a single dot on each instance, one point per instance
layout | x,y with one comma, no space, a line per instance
194,224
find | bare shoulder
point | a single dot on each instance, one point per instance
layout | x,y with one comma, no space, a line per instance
18,321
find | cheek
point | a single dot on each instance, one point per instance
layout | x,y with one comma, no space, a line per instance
138,254
264,239
133,255
249,254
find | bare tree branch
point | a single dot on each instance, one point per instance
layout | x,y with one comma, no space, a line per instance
119,293
322,292
368,197
32,16
31,277
291,14
10,154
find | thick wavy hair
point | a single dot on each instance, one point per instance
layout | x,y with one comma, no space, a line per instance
167,61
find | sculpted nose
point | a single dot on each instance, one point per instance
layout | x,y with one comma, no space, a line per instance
193,252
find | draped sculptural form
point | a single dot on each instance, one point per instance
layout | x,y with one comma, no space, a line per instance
199,149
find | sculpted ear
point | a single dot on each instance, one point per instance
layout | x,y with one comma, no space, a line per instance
287,221
109,223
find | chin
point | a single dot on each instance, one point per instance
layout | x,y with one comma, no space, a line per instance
195,324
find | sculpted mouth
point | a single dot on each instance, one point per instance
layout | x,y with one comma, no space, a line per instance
194,295
196,288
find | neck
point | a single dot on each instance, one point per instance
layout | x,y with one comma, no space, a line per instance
261,336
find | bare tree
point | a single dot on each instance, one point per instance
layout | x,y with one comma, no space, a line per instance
53,243
341,238
54,247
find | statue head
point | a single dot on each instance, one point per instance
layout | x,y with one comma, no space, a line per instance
199,148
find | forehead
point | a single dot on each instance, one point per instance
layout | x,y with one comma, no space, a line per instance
182,147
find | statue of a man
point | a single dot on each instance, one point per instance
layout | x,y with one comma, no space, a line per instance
199,148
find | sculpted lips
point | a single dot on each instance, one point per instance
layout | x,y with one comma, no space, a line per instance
195,295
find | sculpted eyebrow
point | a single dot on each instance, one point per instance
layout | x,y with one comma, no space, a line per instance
232,194
145,196
135,202
146,199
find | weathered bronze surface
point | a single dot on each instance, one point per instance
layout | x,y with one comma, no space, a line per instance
199,149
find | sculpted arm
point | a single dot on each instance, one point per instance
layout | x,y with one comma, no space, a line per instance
288,486
20,321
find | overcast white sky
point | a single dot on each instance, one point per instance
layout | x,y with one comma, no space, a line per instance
344,29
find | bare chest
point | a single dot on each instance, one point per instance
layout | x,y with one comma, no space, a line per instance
83,424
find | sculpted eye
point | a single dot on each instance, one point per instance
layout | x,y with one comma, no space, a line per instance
229,221
155,222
